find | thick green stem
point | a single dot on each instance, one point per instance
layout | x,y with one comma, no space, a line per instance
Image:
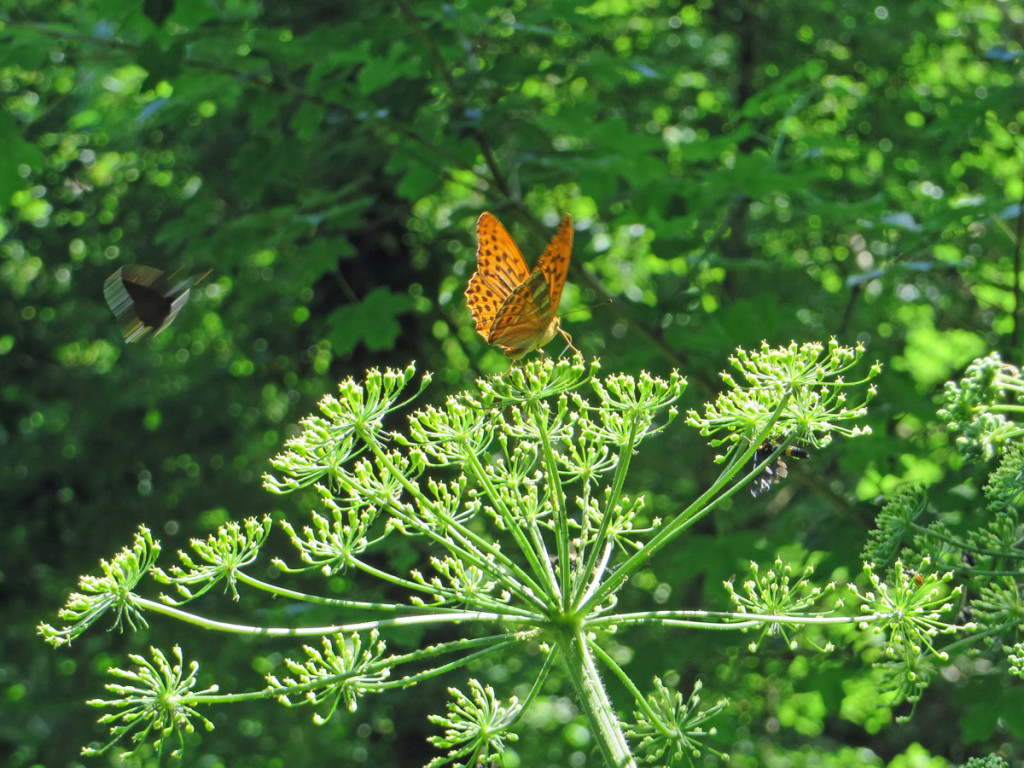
596,705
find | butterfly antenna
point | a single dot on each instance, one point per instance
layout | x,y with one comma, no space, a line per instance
203,276
588,308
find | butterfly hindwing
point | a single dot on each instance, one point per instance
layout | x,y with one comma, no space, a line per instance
528,309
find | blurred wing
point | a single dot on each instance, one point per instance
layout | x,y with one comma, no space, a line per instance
500,270
145,299
134,296
178,295
176,305
523,320
114,288
554,262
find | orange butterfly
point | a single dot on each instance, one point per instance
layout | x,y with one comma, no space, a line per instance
513,307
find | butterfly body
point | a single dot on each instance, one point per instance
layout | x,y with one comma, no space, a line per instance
514,308
145,299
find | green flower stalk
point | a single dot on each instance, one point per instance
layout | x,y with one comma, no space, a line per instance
981,407
476,728
519,501
154,699
908,612
670,729
980,544
113,591
795,392
776,593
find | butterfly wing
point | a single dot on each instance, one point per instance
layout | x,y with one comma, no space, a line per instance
500,270
554,262
177,294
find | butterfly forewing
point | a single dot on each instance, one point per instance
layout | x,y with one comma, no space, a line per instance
500,269
554,262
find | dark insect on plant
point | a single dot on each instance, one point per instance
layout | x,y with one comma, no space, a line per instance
775,471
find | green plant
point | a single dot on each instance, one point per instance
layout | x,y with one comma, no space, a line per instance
981,544
519,496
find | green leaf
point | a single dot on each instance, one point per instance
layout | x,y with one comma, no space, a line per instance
307,119
379,73
160,64
372,322
17,152
192,13
418,181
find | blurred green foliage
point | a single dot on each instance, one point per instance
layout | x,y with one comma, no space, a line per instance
737,171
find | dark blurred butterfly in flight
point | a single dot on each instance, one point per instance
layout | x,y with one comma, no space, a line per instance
775,471
144,299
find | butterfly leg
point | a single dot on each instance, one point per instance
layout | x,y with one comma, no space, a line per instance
568,341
